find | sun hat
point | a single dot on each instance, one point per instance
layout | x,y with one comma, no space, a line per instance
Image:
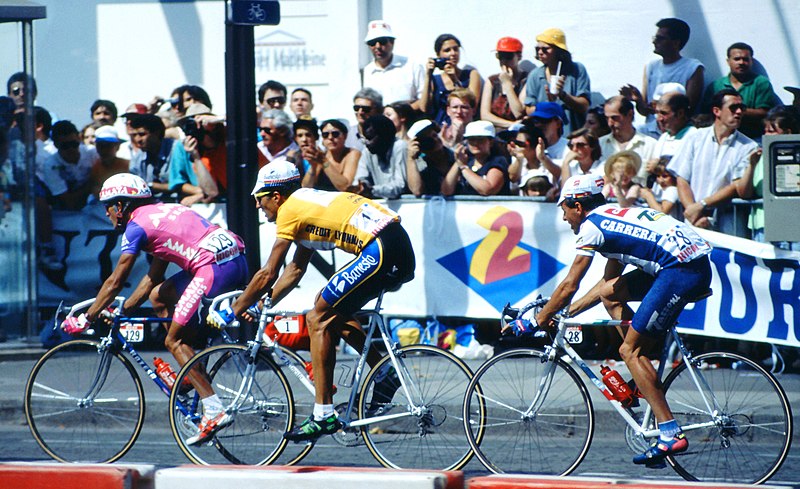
555,37
479,129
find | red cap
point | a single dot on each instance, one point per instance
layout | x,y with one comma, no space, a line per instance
135,109
509,45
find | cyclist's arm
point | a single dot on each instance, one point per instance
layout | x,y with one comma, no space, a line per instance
112,286
565,290
264,278
292,274
613,270
153,277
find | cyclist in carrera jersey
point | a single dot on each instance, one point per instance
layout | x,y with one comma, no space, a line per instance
319,220
672,268
211,260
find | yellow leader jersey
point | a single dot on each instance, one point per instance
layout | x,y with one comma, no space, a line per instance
325,220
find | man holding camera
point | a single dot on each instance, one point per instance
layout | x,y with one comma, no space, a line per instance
198,167
428,159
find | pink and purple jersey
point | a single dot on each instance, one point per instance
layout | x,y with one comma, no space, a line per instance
179,235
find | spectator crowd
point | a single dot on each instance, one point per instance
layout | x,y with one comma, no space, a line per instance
441,128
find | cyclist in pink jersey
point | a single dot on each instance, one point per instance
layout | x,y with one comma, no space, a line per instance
318,220
211,260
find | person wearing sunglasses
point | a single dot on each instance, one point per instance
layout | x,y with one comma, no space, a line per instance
527,146
501,100
395,77
559,79
709,165
336,170
17,85
367,102
584,155
272,95
277,136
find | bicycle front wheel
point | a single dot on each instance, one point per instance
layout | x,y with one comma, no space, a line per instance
428,433
515,424
749,437
84,405
264,412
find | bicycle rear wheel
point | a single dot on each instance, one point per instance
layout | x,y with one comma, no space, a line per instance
256,435
433,437
751,434
553,439
70,424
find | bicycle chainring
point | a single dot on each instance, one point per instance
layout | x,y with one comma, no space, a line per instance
350,437
636,442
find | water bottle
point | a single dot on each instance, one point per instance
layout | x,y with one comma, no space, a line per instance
165,372
618,387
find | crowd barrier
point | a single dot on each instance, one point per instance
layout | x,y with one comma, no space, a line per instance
473,257
126,476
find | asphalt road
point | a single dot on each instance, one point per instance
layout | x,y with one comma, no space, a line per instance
609,455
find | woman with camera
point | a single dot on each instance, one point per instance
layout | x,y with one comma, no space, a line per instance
437,87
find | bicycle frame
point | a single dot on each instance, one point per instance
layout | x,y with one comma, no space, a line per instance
116,341
560,344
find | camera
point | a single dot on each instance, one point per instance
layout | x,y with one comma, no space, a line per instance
439,63
190,128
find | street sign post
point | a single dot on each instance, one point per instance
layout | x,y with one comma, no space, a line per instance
254,12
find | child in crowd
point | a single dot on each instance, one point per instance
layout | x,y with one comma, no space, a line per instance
664,194
620,169
535,185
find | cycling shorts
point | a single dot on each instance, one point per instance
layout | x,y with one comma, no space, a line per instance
209,281
665,295
386,262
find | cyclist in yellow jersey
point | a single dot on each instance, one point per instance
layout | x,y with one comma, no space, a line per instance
319,220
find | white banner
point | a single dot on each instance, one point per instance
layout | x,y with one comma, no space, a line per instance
475,256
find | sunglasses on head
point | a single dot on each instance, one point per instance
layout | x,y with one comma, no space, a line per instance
365,108
276,100
333,134
383,40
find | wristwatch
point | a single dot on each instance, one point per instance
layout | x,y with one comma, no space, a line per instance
703,203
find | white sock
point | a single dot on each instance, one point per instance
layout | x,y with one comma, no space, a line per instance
323,411
212,406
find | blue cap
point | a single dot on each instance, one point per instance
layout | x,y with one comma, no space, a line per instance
549,110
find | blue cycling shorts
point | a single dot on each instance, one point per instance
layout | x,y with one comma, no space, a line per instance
386,262
665,295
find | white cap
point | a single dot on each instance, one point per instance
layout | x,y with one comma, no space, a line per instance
665,88
378,28
479,129
276,173
581,186
418,127
107,134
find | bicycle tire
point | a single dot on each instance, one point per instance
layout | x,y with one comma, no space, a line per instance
256,435
70,430
554,441
433,439
755,422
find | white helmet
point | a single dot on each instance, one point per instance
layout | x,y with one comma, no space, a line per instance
124,186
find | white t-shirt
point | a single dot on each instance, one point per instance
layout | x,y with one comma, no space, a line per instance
62,177
400,81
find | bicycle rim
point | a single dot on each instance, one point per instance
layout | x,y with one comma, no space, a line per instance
433,438
753,432
553,440
256,435
72,428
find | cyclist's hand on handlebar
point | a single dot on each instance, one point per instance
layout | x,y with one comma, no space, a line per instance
76,324
107,315
252,312
220,319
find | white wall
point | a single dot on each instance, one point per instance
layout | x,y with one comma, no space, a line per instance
130,51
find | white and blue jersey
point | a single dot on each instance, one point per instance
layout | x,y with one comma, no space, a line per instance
645,238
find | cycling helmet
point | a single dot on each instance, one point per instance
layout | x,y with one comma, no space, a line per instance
124,186
276,174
